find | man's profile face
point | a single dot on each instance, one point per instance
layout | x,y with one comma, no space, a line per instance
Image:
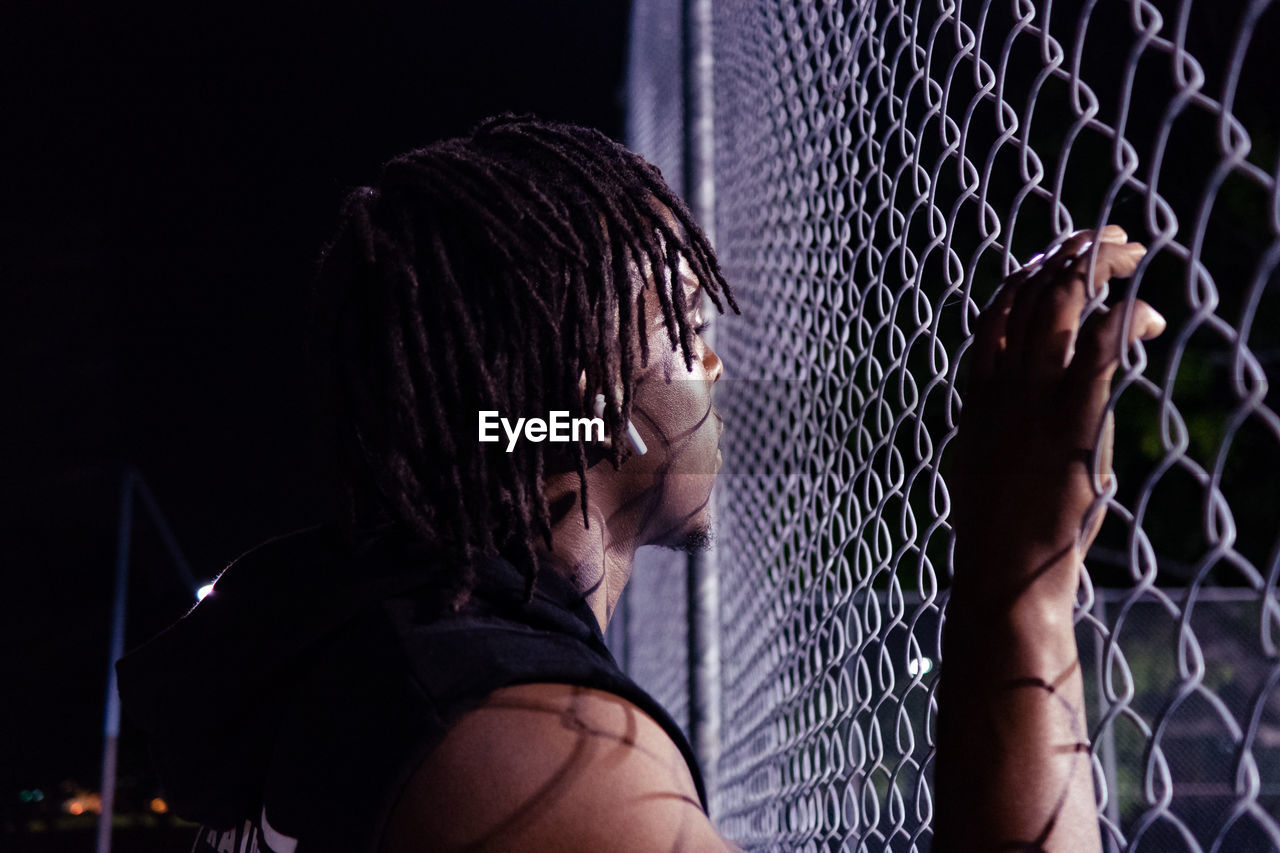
672,408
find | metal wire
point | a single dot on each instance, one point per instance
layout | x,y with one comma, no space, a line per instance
879,167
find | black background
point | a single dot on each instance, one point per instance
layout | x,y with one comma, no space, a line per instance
170,175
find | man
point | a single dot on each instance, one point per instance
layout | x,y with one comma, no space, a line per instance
430,674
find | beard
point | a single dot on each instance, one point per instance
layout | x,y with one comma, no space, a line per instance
697,540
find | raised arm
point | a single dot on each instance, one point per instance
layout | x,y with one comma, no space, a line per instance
1013,769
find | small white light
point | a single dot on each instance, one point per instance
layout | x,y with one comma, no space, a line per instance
918,666
203,591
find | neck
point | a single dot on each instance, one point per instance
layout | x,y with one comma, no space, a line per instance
597,559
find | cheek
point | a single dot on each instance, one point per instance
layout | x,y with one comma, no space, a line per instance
689,433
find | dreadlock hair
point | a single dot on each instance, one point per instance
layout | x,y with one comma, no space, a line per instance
488,273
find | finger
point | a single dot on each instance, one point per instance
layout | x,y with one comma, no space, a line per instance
992,333
1113,234
1056,316
1111,259
1098,350
1104,260
988,338
1054,262
1055,257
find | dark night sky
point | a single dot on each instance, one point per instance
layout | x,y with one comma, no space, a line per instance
168,183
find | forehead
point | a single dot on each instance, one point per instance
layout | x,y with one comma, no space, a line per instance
685,276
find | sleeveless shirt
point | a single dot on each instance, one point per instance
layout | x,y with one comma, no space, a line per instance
287,711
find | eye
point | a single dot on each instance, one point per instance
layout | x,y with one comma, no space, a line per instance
701,327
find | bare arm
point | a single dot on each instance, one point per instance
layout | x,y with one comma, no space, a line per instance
1013,769
552,767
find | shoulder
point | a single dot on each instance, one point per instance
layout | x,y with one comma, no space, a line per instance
552,767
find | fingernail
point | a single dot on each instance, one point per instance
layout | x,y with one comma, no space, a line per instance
1113,234
1082,250
1156,323
1137,250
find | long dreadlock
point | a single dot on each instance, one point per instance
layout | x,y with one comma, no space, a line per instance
488,273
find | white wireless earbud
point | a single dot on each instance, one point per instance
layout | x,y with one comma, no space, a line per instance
632,433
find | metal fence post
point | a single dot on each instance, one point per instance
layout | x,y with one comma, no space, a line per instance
111,721
132,486
702,579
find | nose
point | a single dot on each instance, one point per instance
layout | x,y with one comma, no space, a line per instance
712,364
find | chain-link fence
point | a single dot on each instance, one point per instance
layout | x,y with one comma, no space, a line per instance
879,167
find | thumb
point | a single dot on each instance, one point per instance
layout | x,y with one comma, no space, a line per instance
1105,452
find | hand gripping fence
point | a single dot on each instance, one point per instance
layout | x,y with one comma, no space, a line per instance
878,167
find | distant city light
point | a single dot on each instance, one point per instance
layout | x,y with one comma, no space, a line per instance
33,796
159,806
919,666
203,591
83,801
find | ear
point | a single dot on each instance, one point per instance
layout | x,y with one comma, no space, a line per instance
633,435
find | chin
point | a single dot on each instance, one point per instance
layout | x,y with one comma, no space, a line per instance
689,518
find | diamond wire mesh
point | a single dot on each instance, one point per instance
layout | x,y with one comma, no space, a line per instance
880,166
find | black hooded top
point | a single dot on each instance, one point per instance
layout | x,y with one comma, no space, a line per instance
288,709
